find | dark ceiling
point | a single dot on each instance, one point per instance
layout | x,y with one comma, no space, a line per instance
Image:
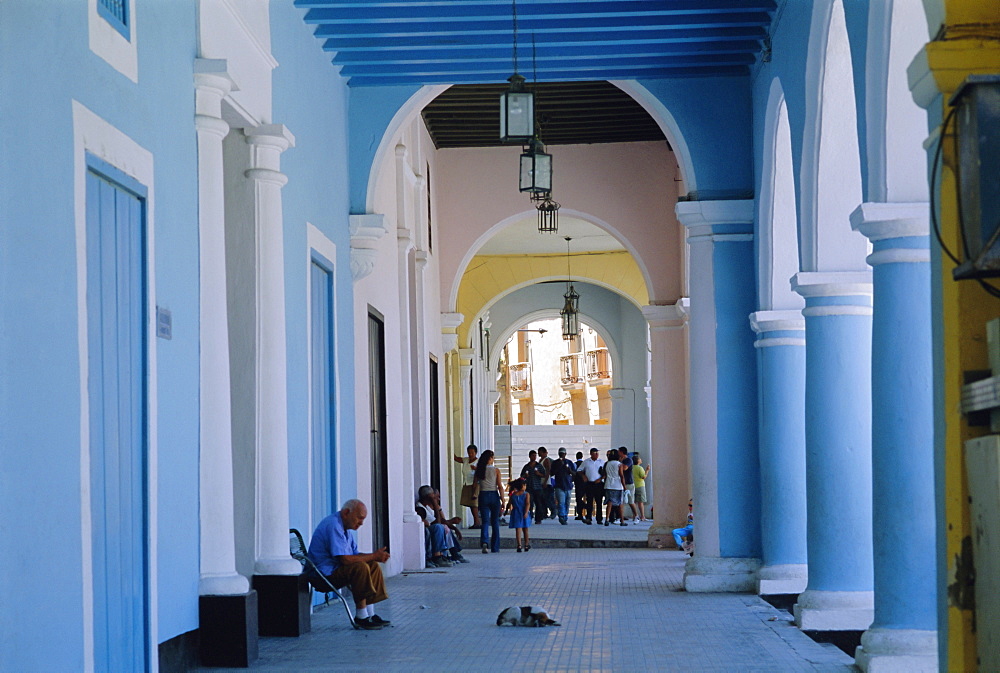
567,113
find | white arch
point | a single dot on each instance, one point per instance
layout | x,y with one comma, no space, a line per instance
778,250
658,111
386,146
896,125
547,314
831,160
569,212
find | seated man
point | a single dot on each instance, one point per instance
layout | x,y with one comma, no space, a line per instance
439,533
681,534
335,553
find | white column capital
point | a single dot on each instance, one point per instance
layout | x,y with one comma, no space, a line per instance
212,83
882,222
709,213
366,230
276,136
451,320
667,316
810,284
716,221
774,321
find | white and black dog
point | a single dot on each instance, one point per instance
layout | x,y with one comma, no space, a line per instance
525,616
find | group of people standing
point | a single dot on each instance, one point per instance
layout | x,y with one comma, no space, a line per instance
543,491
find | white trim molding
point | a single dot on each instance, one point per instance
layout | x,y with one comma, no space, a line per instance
880,221
811,284
707,213
450,322
667,316
93,134
776,321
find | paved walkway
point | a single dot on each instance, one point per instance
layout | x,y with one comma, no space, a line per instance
621,610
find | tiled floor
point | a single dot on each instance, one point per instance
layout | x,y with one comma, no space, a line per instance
621,610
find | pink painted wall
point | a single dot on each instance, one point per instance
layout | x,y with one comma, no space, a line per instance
629,187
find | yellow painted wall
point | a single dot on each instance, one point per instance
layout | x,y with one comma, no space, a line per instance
969,44
491,276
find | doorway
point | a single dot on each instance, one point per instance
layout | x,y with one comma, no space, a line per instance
116,319
379,507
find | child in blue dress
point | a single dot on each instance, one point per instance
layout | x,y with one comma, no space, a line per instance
520,512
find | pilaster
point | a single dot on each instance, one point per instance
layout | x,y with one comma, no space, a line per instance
218,554
668,418
267,142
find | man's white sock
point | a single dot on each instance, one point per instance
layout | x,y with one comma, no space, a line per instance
364,612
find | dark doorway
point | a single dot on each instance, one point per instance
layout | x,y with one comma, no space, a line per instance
435,434
378,510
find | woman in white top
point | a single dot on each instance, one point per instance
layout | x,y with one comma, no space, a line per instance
614,485
468,476
490,498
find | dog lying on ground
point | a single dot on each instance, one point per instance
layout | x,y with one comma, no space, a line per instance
525,616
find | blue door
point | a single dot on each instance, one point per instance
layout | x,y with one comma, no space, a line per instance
116,315
323,447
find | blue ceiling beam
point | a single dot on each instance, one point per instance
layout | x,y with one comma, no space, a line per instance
548,53
536,11
546,70
560,40
525,28
587,76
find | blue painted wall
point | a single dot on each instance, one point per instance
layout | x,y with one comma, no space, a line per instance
45,63
312,101
713,115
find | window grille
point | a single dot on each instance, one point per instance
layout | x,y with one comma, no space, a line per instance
115,12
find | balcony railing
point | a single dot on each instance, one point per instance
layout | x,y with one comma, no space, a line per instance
519,379
599,367
571,371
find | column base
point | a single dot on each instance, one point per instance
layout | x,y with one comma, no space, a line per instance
788,578
228,630
897,651
284,605
714,574
660,537
413,542
835,610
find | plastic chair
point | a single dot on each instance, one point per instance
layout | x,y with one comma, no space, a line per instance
317,580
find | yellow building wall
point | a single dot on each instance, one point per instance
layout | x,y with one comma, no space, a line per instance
491,276
968,44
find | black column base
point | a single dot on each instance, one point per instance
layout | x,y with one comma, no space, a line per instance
228,630
284,605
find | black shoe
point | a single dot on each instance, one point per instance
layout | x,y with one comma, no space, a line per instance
375,619
367,624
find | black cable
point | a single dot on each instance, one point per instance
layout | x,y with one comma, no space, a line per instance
935,163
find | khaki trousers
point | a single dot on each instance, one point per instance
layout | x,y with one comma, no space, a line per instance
364,579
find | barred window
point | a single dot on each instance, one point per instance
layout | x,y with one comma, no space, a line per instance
115,12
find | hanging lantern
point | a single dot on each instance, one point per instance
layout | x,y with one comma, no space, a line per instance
570,314
536,169
517,112
548,214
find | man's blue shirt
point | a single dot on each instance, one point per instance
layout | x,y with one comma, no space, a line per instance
329,541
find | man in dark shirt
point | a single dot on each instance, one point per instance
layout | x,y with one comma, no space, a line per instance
534,474
562,473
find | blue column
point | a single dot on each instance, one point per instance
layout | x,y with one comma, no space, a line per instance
781,366
724,462
904,633
838,316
